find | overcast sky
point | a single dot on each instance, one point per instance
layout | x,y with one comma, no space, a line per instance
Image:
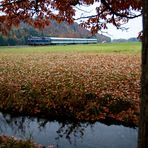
134,26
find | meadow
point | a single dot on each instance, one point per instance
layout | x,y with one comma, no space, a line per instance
72,82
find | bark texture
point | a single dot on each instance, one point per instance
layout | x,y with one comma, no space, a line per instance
143,122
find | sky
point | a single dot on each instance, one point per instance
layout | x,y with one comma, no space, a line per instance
134,26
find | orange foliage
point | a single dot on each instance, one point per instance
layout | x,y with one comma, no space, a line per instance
40,12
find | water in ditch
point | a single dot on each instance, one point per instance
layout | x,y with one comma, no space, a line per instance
69,135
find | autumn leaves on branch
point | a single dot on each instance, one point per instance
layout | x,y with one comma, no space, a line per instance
38,13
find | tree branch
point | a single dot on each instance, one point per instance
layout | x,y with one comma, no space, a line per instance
36,5
116,13
14,2
83,10
91,16
85,17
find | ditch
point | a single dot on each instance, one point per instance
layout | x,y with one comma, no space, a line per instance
68,135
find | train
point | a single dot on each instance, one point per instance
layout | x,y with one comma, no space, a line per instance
58,40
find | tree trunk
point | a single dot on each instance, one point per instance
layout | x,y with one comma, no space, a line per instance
143,122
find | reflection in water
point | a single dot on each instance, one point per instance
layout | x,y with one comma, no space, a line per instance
72,135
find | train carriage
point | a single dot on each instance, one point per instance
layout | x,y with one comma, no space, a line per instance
57,40
39,41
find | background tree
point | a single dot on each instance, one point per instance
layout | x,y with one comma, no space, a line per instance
117,12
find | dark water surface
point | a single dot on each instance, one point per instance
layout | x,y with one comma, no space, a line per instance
80,135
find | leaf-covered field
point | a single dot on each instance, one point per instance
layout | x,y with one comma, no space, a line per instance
82,82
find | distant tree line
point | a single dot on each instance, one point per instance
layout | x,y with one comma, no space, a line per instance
19,36
133,39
